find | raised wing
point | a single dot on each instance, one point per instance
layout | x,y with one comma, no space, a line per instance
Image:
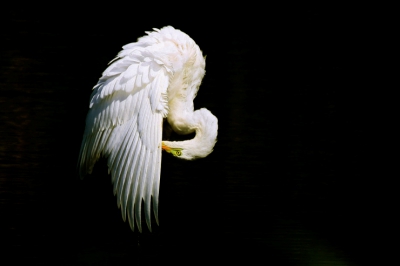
124,123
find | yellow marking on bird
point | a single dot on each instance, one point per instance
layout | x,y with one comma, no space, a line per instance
165,147
176,152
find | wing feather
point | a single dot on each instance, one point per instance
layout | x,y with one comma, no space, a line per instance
156,184
150,178
88,152
125,147
136,184
124,179
145,73
139,193
129,173
96,141
124,123
129,74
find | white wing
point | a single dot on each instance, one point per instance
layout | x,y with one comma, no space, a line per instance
124,123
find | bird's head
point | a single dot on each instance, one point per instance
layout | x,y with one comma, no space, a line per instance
206,128
177,152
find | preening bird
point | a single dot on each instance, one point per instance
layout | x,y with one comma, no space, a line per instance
150,80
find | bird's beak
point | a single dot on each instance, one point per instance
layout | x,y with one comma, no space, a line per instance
165,147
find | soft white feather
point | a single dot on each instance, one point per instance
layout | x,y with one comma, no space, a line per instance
154,78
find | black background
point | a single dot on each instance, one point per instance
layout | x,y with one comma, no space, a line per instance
287,183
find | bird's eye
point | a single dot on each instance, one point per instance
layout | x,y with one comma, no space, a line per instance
178,153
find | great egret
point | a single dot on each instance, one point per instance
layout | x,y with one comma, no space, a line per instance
152,79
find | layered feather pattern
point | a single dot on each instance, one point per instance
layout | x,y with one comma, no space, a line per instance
154,78
124,123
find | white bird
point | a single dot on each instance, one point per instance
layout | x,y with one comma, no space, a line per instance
154,78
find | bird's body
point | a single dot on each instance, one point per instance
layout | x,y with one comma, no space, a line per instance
152,79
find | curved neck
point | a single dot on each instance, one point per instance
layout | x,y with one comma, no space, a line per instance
205,124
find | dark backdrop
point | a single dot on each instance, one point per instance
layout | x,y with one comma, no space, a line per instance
285,185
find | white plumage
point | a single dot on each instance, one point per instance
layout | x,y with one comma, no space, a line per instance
154,78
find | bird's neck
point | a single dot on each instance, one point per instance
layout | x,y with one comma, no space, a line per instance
204,124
